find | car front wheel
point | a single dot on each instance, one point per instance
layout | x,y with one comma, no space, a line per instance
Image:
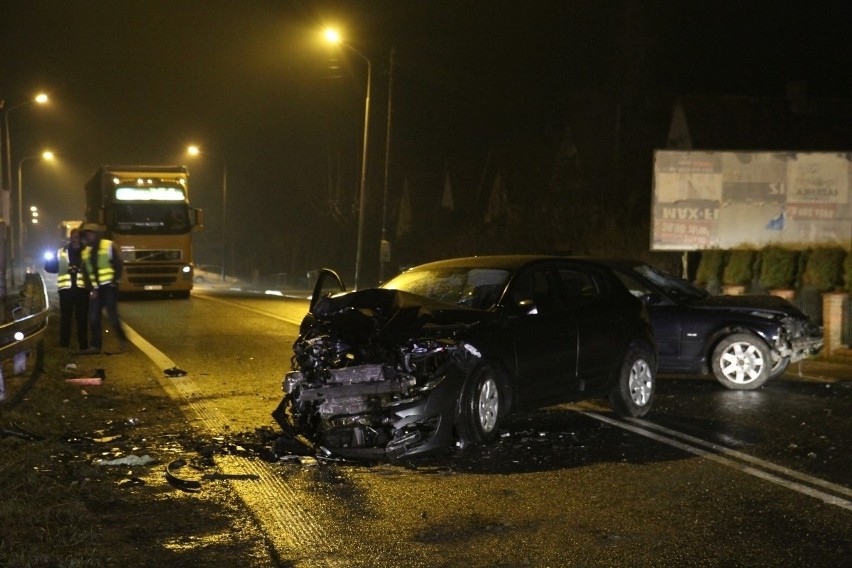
742,361
481,407
779,367
633,393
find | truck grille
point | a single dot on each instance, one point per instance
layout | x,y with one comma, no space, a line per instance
151,275
151,255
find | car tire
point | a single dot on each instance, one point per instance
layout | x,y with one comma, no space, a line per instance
481,406
633,393
742,361
779,368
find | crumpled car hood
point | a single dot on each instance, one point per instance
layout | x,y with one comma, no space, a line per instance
392,316
750,303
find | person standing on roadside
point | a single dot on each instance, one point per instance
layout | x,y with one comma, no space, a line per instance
102,270
73,295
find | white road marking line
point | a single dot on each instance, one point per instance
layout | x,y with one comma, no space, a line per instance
827,485
248,309
732,463
273,502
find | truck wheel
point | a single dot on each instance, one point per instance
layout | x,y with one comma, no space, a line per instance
742,361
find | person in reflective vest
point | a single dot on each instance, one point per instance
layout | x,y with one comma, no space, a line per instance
73,295
102,269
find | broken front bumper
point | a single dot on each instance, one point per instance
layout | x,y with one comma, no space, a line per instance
368,412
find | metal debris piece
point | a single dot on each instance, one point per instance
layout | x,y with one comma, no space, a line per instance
226,476
131,482
107,439
175,372
188,485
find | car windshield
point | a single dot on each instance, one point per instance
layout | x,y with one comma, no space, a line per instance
677,288
472,287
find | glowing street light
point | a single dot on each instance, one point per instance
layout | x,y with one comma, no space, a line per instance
333,36
194,150
47,155
40,99
6,167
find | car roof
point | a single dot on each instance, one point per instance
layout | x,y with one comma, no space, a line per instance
507,261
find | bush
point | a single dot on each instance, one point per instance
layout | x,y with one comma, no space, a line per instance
738,270
824,269
778,267
709,267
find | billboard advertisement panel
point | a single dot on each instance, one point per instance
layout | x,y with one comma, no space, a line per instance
727,200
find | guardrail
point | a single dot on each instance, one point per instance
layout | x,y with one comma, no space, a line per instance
26,330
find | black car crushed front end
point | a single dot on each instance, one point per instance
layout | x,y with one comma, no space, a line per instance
376,374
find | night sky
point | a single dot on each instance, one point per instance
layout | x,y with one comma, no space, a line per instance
478,87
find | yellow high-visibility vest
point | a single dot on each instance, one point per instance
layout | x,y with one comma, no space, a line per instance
105,273
63,276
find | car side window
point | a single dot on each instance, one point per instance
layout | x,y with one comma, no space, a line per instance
536,291
577,287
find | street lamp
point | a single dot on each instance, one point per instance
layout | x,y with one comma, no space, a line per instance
334,37
194,150
6,165
41,99
46,155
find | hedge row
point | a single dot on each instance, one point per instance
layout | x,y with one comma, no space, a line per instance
825,269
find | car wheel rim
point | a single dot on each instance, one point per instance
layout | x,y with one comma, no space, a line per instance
489,404
641,382
742,363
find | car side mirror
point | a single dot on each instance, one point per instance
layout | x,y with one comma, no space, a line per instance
527,307
651,298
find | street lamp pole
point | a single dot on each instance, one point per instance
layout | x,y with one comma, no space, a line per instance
224,215
331,35
384,246
47,155
194,150
41,99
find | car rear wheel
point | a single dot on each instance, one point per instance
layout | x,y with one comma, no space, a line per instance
742,361
481,406
633,393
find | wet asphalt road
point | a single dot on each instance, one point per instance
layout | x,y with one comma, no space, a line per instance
710,478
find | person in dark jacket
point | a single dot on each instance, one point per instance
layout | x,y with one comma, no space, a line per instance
73,295
102,268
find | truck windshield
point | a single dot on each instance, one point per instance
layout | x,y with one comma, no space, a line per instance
150,218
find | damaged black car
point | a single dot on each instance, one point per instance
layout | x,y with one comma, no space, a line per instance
438,356
744,341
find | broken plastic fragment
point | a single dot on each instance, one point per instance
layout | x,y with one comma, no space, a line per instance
188,485
175,372
132,459
88,381
19,432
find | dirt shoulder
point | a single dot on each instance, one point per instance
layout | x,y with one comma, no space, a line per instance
64,505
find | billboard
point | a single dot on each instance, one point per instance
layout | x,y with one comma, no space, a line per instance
726,200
